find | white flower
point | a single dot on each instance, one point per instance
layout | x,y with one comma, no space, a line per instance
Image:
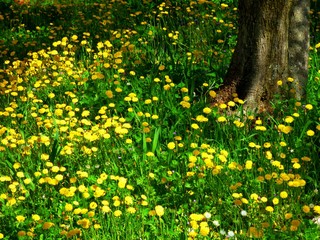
243,213
222,232
316,220
207,215
216,223
230,234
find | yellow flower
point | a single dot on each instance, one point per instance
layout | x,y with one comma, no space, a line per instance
283,194
171,145
310,133
51,95
20,218
204,231
196,217
35,217
68,207
207,110
159,210
131,210
128,200
85,223
194,126
289,119
254,196
275,201
20,174
288,215
309,107
231,104
122,182
93,205
222,119
21,233
201,118
150,154
269,209
306,209
279,83
295,223
184,90
16,165
117,213
285,129
290,79
106,209
316,209
296,165
212,94
47,225
185,104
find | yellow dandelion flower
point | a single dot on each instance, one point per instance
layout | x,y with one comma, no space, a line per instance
171,145
275,201
20,218
207,110
68,207
309,107
117,213
310,133
295,223
212,94
231,104
204,231
35,217
307,159
195,126
254,196
201,118
316,209
269,209
131,210
150,154
197,217
122,182
47,225
185,104
106,209
283,194
296,166
222,119
306,209
248,165
285,129
159,210
288,215
93,205
289,119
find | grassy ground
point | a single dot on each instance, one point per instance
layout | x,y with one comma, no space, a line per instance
107,131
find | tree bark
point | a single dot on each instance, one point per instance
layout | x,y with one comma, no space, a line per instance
273,42
299,43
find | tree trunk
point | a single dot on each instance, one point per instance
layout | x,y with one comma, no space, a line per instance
273,44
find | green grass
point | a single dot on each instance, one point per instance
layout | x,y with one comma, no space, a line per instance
107,129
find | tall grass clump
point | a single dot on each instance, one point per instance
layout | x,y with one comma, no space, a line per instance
108,130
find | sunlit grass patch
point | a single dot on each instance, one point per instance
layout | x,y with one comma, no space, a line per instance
107,124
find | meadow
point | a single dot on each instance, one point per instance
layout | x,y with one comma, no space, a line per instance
108,127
